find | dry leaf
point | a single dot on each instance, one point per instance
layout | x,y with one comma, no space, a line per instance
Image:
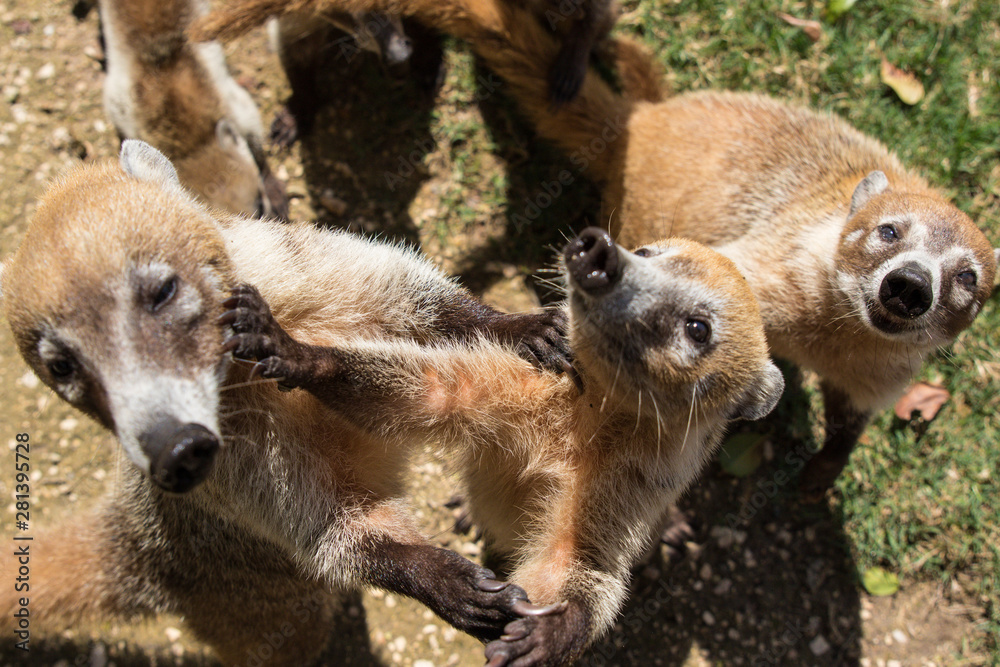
924,399
907,86
811,28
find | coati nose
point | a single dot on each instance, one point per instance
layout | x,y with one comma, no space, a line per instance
907,291
181,455
592,260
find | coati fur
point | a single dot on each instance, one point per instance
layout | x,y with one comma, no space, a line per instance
178,96
243,501
571,486
861,268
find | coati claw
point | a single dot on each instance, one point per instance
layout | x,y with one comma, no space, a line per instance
525,608
492,585
518,634
258,337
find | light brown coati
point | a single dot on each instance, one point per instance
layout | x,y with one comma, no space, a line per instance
243,502
860,267
571,486
179,97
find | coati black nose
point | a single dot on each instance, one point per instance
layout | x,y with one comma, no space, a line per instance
907,291
592,260
181,455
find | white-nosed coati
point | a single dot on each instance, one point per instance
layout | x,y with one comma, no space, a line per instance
860,267
179,97
571,486
243,501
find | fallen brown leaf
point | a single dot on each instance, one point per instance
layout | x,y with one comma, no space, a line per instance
907,87
922,400
811,28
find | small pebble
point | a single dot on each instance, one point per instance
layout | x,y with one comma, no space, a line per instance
819,646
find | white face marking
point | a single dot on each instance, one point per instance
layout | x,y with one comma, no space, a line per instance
915,247
138,398
854,236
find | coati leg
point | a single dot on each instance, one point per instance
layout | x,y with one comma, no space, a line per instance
465,594
844,425
569,68
301,42
458,316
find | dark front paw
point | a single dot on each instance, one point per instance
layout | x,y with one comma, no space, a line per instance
541,339
257,336
473,600
285,128
541,640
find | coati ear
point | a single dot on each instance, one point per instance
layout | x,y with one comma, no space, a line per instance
761,396
143,162
873,184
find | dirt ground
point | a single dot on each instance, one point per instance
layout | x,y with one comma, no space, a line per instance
779,588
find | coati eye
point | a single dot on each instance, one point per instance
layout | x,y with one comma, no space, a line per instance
966,278
642,252
61,368
888,233
698,330
166,291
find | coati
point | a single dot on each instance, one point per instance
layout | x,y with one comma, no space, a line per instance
571,486
860,267
179,97
242,500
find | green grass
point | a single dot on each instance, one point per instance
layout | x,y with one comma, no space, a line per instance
923,503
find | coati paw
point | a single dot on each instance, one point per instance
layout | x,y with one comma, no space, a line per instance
473,600
556,637
541,339
258,336
676,533
284,129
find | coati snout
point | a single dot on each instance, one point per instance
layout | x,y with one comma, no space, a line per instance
592,260
907,292
180,455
